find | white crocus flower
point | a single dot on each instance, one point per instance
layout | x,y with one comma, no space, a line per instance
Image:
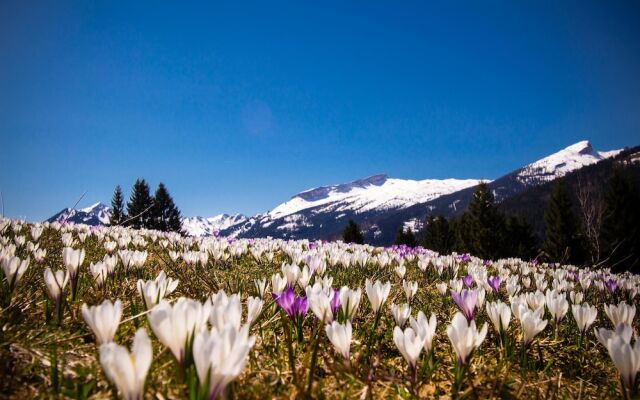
103,319
261,287
220,355
153,291
320,303
254,307
558,305
99,271
532,324
426,329
410,289
623,330
36,231
377,293
442,288
464,336
349,301
620,314
500,315
409,343
278,283
400,313
340,337
401,270
576,297
72,260
625,357
175,324
225,310
55,282
304,277
585,315
39,254
127,371
14,268
291,272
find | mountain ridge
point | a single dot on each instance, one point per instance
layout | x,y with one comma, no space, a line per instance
378,203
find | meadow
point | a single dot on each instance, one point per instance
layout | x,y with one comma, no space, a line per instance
106,312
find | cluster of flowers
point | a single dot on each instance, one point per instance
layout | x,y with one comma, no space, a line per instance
213,336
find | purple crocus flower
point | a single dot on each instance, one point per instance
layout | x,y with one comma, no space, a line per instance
494,282
611,285
467,301
335,302
286,300
467,280
295,306
300,307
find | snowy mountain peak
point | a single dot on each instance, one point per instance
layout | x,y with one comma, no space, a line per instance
321,192
582,147
96,214
558,164
97,207
362,195
201,226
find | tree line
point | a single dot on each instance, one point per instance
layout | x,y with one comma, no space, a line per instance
602,229
157,212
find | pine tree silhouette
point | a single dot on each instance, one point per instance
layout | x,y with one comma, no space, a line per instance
139,205
620,230
562,237
352,233
485,224
164,215
117,207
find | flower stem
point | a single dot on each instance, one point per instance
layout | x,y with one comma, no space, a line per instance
287,332
314,357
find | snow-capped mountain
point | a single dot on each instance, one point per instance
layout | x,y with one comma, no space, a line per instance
556,165
200,226
328,207
99,213
378,203
559,164
377,192
95,214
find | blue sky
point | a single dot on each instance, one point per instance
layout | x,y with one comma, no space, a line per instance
237,106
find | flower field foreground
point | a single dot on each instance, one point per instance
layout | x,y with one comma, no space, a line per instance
114,312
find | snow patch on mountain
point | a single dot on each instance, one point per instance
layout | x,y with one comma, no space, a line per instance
96,214
377,192
569,159
414,224
201,226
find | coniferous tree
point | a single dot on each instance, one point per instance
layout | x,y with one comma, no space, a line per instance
620,230
117,207
519,240
461,228
405,237
562,243
485,224
139,205
164,214
437,235
352,233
